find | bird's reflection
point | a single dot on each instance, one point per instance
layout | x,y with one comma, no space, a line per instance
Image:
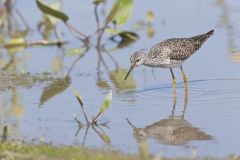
173,130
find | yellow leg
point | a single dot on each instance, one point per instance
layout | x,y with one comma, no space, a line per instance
174,91
186,91
174,101
185,98
184,75
174,79
174,84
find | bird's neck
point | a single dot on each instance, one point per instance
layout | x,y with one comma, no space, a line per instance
153,62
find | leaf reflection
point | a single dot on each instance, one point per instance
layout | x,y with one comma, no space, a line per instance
55,88
120,84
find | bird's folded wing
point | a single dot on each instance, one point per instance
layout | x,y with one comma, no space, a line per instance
181,49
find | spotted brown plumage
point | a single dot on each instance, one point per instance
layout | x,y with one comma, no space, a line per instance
178,49
169,53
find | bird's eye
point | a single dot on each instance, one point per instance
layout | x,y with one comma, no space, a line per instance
137,60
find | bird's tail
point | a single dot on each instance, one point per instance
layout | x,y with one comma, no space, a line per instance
200,39
210,33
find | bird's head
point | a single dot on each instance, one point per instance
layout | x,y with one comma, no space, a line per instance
137,59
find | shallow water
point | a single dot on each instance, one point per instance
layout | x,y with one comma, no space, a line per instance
205,120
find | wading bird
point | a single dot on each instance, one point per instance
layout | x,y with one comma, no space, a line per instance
169,53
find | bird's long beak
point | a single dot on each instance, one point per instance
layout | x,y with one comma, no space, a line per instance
129,71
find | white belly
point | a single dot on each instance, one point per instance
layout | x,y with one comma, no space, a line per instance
166,64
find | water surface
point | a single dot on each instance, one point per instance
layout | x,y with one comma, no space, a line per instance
205,120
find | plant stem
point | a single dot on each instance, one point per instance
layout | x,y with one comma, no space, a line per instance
96,16
76,32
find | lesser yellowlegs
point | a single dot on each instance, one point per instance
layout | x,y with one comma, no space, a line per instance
169,53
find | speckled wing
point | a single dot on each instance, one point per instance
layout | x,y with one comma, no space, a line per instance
181,48
159,50
175,49
178,49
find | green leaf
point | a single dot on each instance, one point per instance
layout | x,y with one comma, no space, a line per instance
113,12
120,12
105,105
105,138
127,37
51,11
106,102
56,5
78,96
